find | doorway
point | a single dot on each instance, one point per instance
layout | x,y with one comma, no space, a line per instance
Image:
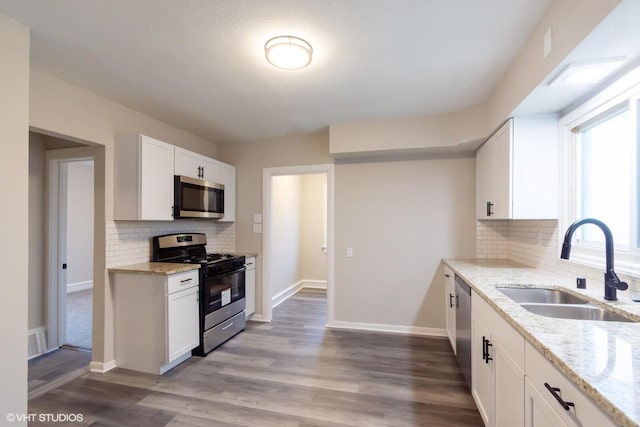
71,202
297,236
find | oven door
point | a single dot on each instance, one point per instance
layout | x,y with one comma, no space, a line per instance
222,289
196,198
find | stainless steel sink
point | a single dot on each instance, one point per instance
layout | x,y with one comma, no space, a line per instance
572,311
541,296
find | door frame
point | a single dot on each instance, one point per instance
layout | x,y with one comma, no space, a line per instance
55,283
267,190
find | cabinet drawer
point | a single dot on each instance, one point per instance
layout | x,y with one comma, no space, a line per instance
250,262
184,280
225,330
584,411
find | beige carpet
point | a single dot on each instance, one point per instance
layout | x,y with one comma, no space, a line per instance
79,318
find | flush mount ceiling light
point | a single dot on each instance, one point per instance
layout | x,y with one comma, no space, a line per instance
288,52
584,73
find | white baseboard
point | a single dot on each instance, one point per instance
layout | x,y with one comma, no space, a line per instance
79,286
285,294
314,284
102,367
394,329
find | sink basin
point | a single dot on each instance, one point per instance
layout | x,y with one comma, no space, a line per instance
541,296
572,311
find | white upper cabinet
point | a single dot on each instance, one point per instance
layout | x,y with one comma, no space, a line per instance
188,163
517,170
143,179
194,165
227,177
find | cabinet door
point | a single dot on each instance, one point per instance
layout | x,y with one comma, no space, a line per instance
484,179
182,322
156,179
450,306
227,176
250,291
210,170
481,371
508,387
187,163
502,167
538,413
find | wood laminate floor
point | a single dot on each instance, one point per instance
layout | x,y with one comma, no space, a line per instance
58,367
290,372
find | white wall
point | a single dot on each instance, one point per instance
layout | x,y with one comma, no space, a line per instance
79,222
401,218
286,241
314,261
14,174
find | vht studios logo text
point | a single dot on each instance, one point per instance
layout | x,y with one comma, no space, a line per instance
45,418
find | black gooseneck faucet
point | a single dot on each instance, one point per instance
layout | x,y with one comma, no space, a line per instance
611,280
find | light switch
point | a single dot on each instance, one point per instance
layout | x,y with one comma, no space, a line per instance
257,218
257,228
349,252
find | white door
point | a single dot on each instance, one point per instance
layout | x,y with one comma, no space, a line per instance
538,413
509,389
481,371
187,163
182,322
484,179
156,180
502,172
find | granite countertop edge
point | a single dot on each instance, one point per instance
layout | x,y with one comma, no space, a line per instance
157,268
501,272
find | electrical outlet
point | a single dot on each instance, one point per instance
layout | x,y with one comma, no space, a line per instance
349,252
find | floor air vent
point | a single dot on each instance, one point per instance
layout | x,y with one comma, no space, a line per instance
37,343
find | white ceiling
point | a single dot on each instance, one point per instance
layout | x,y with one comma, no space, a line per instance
199,65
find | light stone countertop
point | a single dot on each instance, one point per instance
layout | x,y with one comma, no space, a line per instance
160,268
601,358
245,254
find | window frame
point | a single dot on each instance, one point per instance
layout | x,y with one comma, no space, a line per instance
603,105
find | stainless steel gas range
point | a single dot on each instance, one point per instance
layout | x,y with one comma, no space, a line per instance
222,286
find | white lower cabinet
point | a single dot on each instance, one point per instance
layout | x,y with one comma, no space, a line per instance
250,286
450,305
514,385
538,413
497,367
570,405
156,322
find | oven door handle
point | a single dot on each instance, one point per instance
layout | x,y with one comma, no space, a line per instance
226,273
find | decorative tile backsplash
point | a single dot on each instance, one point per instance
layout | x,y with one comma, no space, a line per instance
129,242
533,243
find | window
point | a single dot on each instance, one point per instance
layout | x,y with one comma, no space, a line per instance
601,171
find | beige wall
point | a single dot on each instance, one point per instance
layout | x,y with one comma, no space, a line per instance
314,262
80,222
37,243
401,218
431,134
286,268
14,174
571,21
250,158
60,108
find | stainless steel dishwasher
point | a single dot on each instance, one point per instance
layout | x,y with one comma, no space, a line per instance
463,328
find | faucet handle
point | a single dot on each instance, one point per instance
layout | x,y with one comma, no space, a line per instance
614,281
622,286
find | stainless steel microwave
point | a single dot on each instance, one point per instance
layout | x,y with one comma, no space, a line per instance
196,198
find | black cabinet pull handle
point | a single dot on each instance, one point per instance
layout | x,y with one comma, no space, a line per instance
447,275
489,208
485,350
554,392
450,300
